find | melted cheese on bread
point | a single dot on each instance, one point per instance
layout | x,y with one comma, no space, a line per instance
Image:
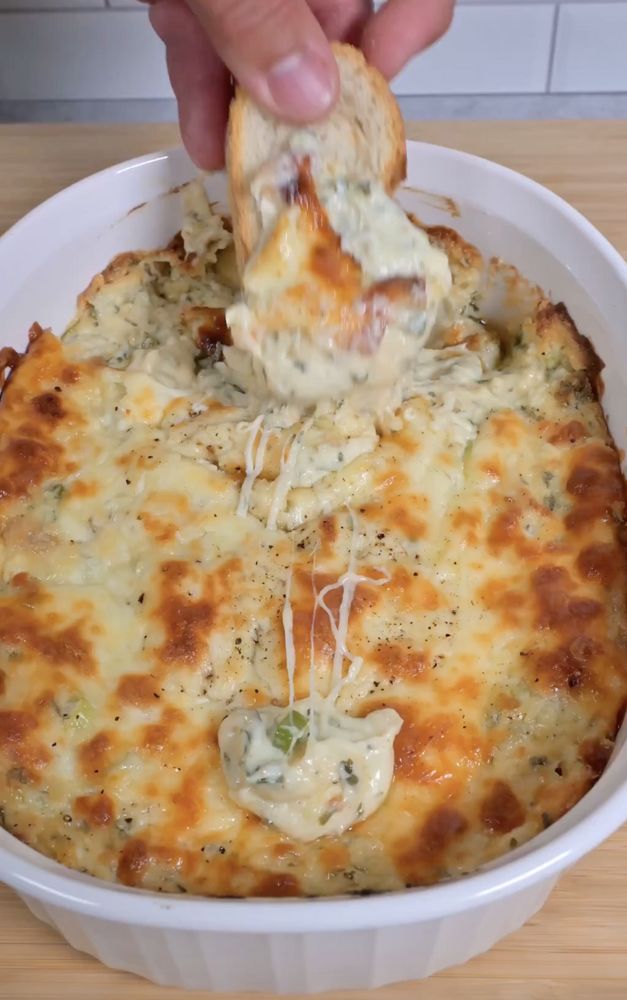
342,290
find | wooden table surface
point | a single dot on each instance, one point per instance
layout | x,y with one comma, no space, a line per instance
576,948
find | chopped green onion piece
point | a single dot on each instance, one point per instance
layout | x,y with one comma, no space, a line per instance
289,731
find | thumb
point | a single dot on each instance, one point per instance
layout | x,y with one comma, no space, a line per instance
277,50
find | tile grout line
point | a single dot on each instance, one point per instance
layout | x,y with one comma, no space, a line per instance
554,30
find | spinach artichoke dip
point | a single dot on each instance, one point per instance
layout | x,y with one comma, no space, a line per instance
311,589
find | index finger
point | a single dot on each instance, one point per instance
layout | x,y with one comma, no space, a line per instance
401,28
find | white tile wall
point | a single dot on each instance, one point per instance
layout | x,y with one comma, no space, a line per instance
489,49
82,55
591,48
81,50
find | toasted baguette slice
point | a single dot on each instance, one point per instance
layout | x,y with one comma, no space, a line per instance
363,137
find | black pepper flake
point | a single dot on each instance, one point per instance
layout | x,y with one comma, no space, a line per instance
140,599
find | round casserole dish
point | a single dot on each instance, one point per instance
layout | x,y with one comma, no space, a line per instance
314,945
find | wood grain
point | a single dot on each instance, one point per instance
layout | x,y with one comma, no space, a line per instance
576,947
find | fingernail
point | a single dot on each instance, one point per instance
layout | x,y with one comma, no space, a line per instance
302,85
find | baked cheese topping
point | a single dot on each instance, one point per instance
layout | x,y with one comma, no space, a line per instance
190,568
299,767
342,291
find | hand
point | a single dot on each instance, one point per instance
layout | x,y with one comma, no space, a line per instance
278,50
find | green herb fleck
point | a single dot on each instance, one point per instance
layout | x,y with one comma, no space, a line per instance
347,773
56,491
289,731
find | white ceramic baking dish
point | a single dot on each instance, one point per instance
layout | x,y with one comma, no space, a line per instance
313,945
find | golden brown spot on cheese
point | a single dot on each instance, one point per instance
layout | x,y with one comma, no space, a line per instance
339,270
468,688
328,534
83,488
507,428
414,739
468,523
15,728
568,433
334,854
329,262
211,328
17,741
501,811
254,698
70,374
504,528
187,621
25,463
413,591
49,406
3,682
492,469
399,516
133,862
279,884
23,627
396,661
188,801
155,737
97,810
558,608
396,288
443,825
596,754
602,561
596,486
511,605
161,529
95,754
567,667
137,689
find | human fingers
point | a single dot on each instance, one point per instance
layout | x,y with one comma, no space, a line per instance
401,28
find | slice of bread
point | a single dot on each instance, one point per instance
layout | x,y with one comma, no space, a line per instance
363,137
